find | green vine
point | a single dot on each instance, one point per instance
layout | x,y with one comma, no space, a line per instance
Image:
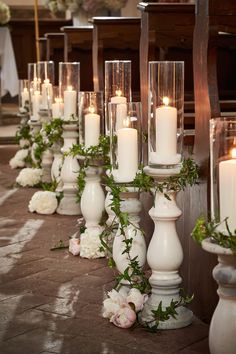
92,156
212,230
23,132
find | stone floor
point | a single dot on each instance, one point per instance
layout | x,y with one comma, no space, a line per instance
50,301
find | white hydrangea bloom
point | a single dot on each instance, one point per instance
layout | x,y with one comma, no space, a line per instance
19,159
24,143
137,298
90,244
74,246
29,177
43,202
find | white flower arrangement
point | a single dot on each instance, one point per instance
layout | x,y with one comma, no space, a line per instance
24,143
43,202
120,309
90,244
29,177
18,161
5,14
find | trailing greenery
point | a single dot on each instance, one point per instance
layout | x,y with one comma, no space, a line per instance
23,132
92,156
212,230
162,315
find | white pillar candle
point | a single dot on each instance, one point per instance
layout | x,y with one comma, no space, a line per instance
91,129
227,190
46,94
166,135
57,108
121,109
24,97
36,102
127,154
69,103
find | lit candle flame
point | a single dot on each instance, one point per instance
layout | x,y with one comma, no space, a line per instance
118,93
58,100
166,101
91,109
126,122
233,153
69,88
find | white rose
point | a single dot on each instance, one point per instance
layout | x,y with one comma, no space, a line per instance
113,303
24,143
19,159
29,177
137,299
43,202
74,246
90,244
125,317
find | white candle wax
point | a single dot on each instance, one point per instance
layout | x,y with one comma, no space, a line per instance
227,189
121,110
57,108
36,102
127,154
24,97
166,136
69,103
46,94
92,129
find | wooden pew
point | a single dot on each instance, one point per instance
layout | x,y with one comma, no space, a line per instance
78,47
167,32
116,38
55,50
23,38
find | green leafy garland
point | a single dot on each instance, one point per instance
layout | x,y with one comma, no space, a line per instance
23,132
50,133
204,229
92,156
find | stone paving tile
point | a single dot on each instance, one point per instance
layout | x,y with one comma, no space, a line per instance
196,348
34,342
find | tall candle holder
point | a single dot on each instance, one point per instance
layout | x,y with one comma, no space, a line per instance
165,254
45,74
117,84
70,168
24,100
223,201
91,126
57,106
125,139
69,85
125,143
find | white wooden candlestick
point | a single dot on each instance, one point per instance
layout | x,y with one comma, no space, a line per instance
92,207
35,127
47,159
70,168
164,257
222,337
111,222
130,204
57,166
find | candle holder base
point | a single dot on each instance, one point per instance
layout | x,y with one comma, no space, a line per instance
165,288
68,204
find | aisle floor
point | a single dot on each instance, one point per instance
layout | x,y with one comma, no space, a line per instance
50,301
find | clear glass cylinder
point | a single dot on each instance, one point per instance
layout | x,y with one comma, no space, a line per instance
165,114
57,105
69,86
24,95
223,170
125,139
45,73
117,84
35,96
91,117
